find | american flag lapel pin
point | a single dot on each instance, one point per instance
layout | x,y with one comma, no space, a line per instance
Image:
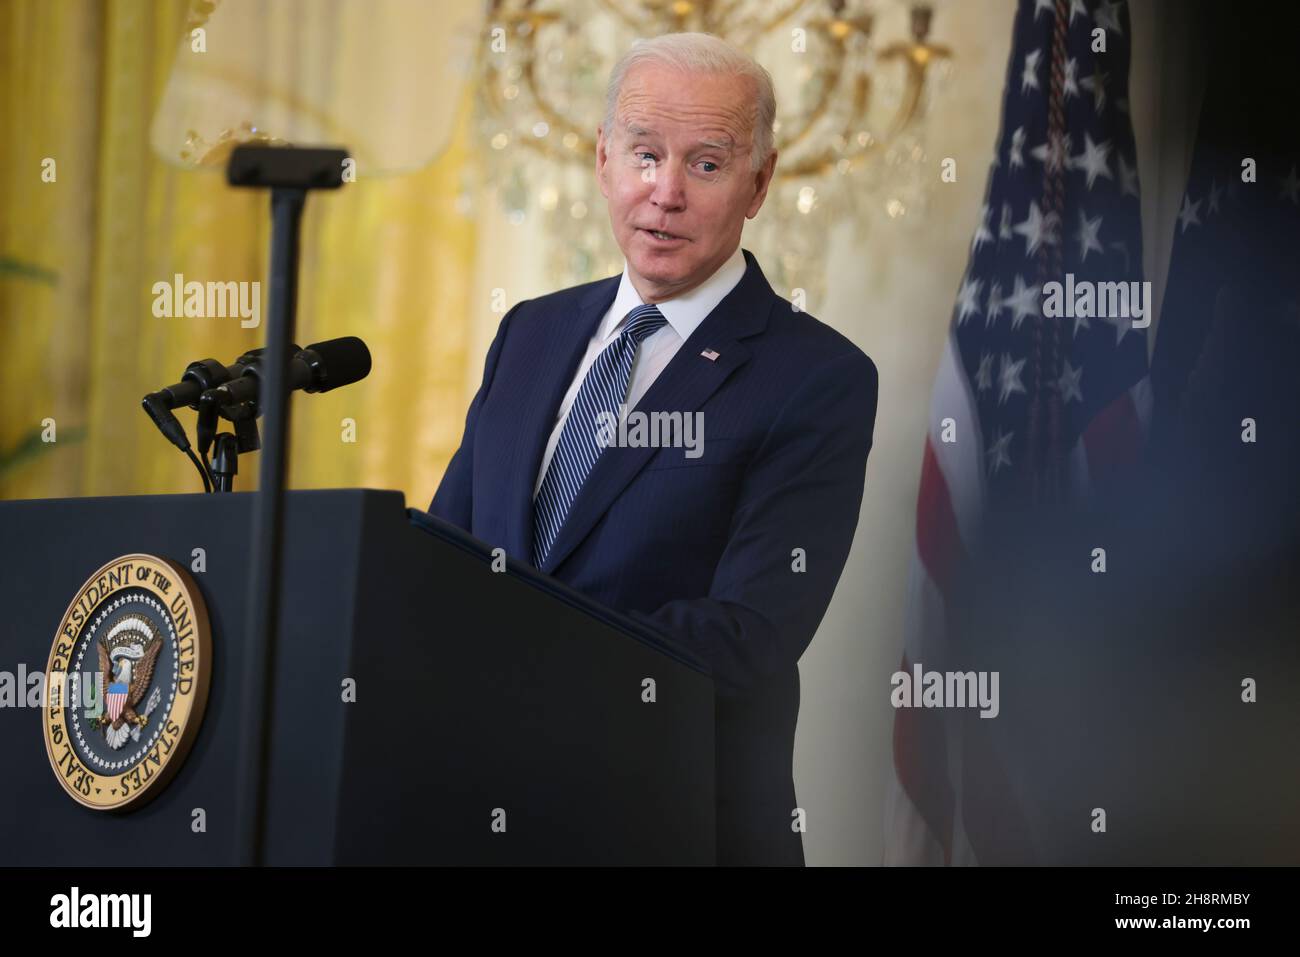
710,354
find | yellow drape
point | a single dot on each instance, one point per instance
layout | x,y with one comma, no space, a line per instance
389,260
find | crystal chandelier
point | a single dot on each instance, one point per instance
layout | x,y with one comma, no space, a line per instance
849,129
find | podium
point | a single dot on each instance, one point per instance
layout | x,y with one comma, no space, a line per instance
426,706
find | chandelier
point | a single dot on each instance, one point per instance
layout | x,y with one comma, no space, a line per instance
850,106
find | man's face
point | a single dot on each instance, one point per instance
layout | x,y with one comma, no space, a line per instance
678,162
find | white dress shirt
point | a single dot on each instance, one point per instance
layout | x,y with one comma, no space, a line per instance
684,313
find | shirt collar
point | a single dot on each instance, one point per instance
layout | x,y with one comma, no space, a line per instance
684,313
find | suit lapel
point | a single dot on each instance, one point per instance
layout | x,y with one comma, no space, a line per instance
684,385
557,357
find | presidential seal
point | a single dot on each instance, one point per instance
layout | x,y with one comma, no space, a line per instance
127,682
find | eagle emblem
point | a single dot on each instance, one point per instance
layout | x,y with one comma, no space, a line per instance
127,654
133,656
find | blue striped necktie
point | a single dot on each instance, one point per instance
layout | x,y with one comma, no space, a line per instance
603,390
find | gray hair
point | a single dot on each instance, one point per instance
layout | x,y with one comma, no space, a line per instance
702,53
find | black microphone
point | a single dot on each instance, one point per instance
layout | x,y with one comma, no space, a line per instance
318,368
199,377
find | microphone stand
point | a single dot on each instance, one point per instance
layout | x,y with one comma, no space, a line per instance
225,460
289,173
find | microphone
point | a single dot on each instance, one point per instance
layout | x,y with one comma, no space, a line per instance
318,368
199,377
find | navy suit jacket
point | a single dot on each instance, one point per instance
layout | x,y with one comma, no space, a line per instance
701,549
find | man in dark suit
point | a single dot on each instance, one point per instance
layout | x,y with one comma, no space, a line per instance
731,540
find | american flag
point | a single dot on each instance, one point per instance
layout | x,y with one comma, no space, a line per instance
117,693
1233,284
1026,410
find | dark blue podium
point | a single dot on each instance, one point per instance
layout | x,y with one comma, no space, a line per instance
481,695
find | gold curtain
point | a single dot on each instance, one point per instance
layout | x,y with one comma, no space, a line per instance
387,259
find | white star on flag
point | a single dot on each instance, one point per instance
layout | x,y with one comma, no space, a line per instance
982,234
1094,160
1055,153
967,303
1009,378
1215,193
1187,215
1071,78
1023,302
1106,16
1088,236
1037,228
1016,152
1029,76
997,452
1068,384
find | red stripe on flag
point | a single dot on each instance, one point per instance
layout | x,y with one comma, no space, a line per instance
921,761
938,538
